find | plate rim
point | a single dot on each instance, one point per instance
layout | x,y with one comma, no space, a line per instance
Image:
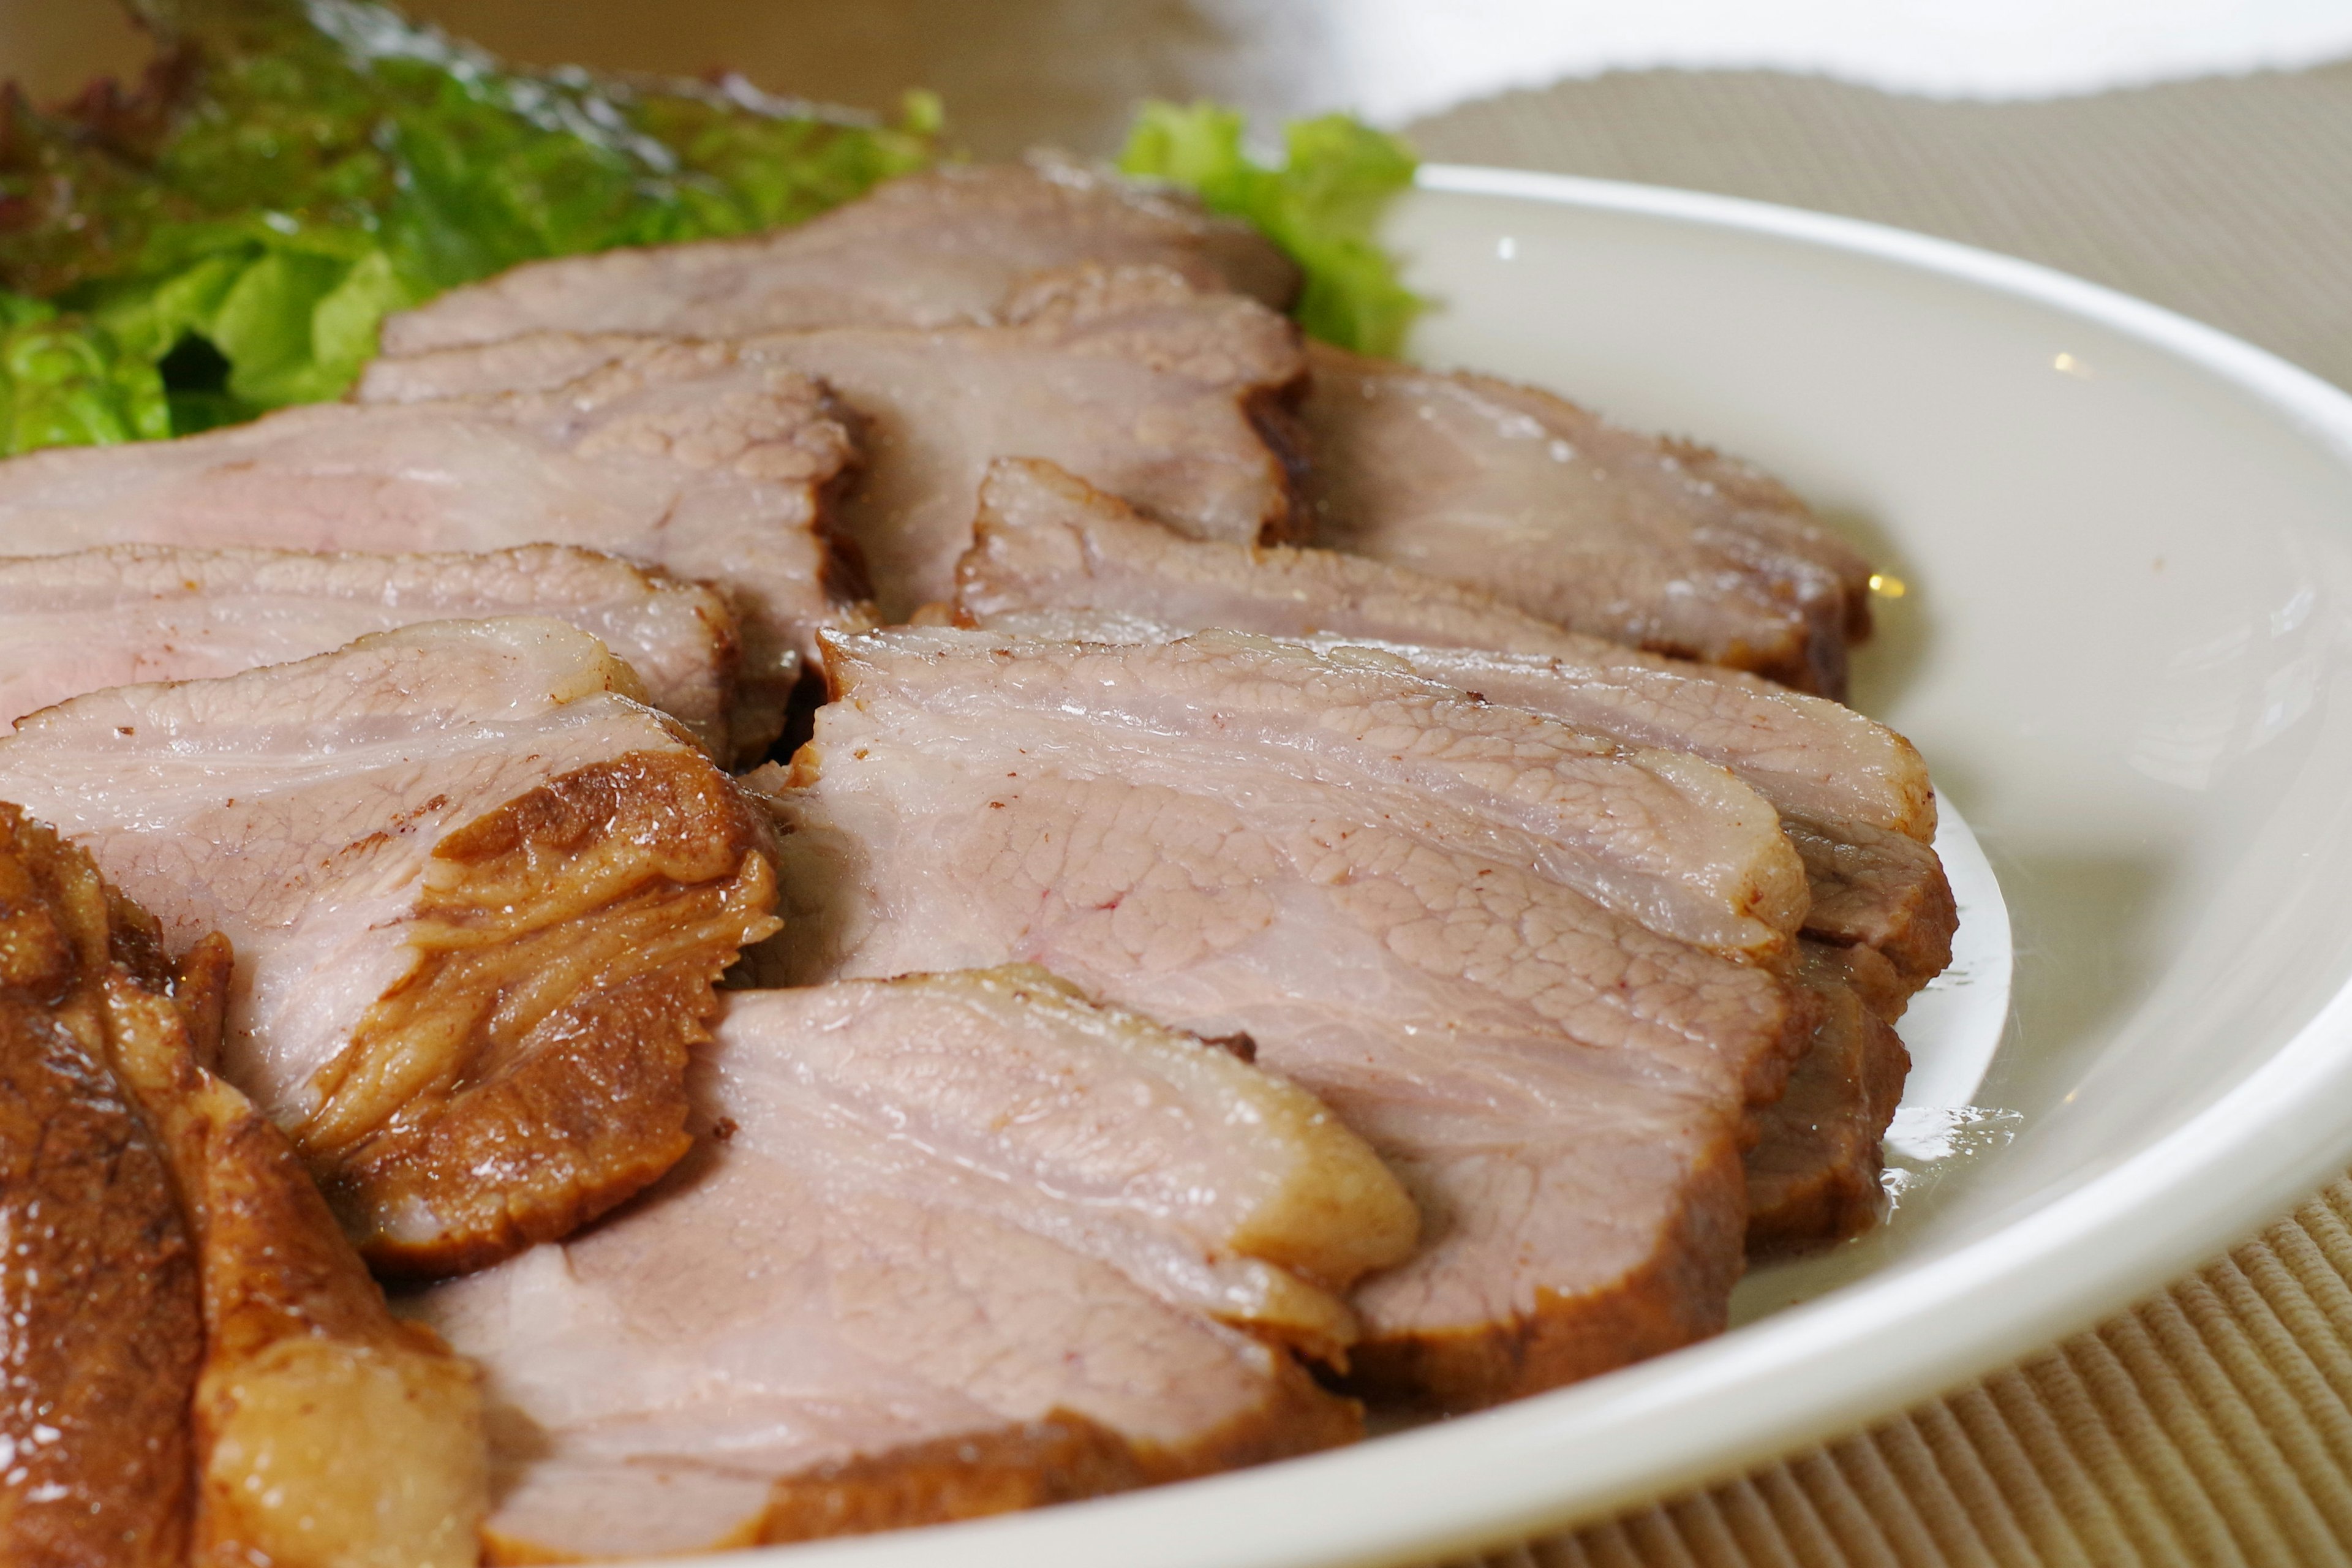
1906,1335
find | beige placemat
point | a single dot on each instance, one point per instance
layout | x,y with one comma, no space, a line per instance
2213,1424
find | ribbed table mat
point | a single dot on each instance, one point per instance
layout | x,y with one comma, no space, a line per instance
2212,1425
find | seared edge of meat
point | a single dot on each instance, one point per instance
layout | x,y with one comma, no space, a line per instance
567,947
1656,543
1060,1458
1878,890
1217,1186
1813,1174
1680,1294
103,1331
417,1020
328,1435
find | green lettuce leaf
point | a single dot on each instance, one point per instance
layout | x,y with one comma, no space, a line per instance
64,382
293,171
1322,206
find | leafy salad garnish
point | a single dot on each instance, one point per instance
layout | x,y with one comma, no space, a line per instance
227,239
292,170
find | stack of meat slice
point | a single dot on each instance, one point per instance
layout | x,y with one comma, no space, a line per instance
1170,397
1053,557
1497,982
692,459
479,896
137,613
200,1368
1528,964
947,1245
938,249
1657,544
1660,544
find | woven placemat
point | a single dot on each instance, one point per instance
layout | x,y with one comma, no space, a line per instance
2211,1424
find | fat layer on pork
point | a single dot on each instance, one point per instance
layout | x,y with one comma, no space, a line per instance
941,1248
479,896
1324,853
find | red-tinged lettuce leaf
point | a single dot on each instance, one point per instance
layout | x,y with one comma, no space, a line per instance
292,170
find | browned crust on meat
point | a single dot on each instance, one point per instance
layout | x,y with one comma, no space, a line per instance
99,1278
324,1428
1680,1295
529,1073
1813,1176
1062,1457
1880,890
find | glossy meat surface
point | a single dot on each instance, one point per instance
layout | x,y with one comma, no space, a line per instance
1053,557
933,249
328,1434
858,1304
101,1327
479,896
136,613
711,467
1656,544
1236,836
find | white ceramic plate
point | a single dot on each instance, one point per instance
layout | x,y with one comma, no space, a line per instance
2128,545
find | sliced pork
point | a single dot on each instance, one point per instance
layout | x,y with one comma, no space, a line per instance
326,1431
1169,399
97,1279
182,1305
693,459
947,1245
1053,557
479,894
1654,544
1371,877
932,250
137,613
1813,1174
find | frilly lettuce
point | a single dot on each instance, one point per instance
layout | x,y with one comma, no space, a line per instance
227,239
292,170
1321,206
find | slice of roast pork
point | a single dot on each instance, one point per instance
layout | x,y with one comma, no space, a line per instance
479,894
1377,881
1813,1174
182,1305
97,1279
325,1429
716,469
1055,557
1169,399
933,249
947,1245
136,613
1654,544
